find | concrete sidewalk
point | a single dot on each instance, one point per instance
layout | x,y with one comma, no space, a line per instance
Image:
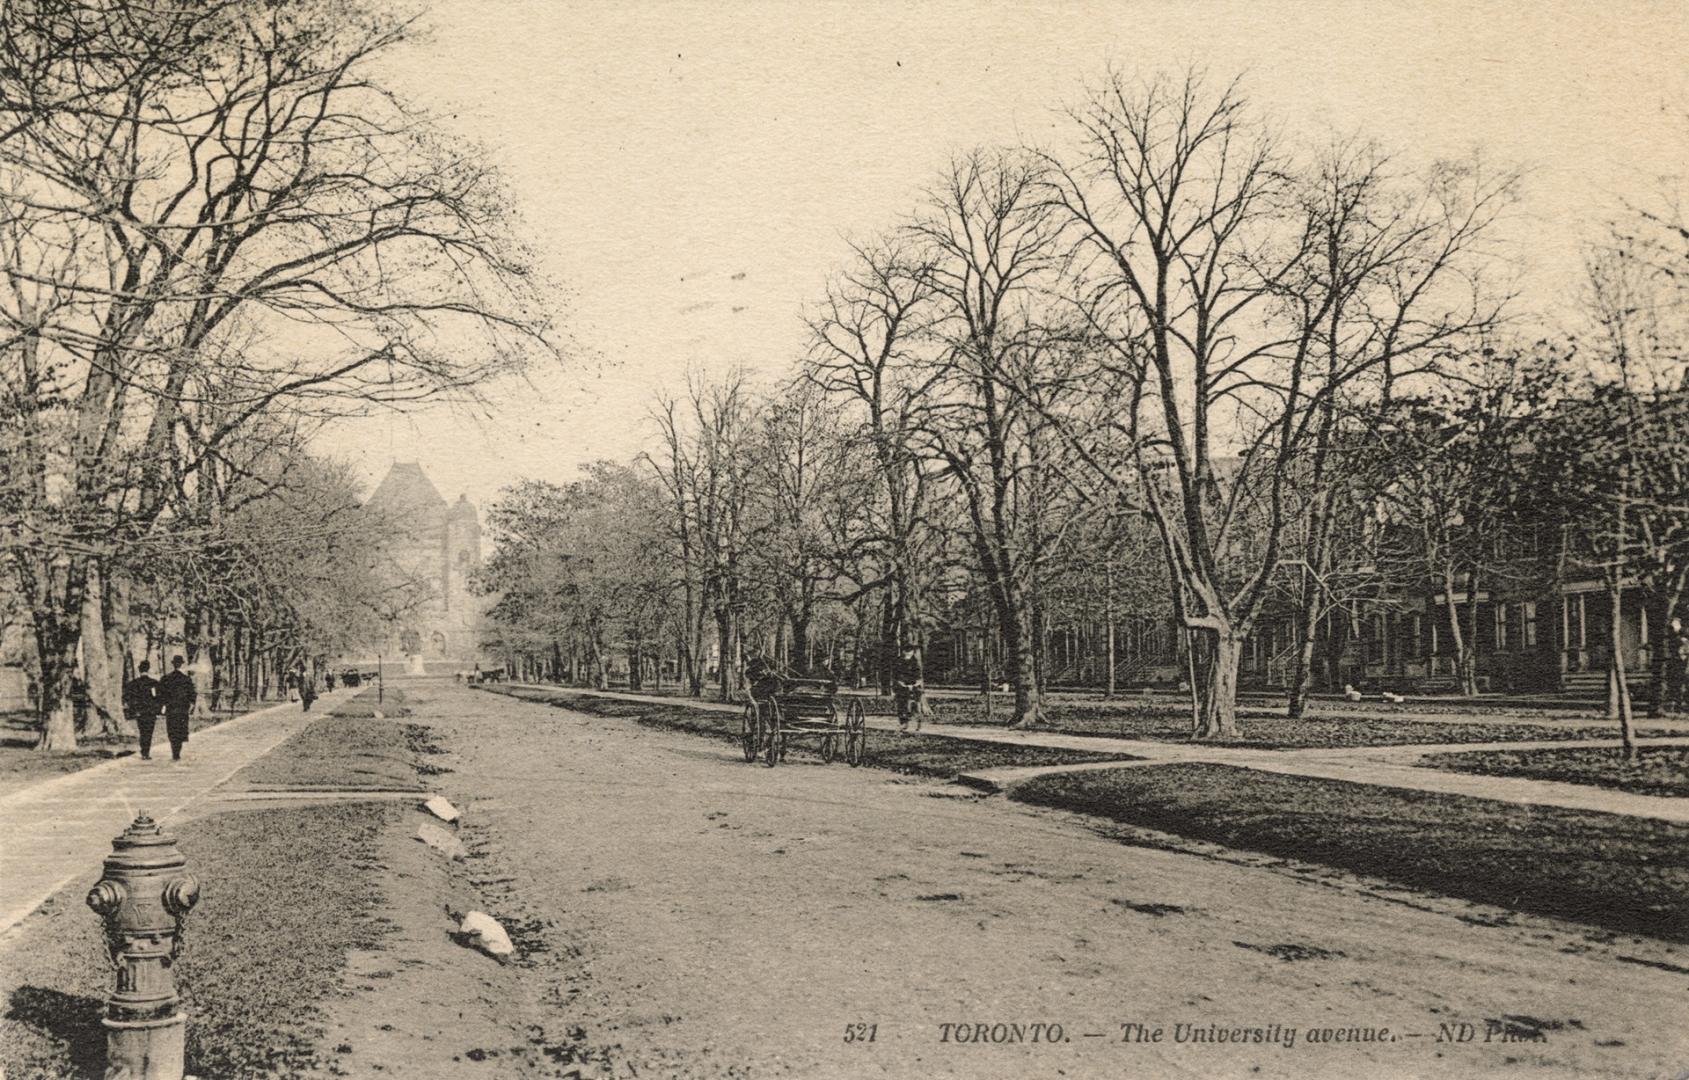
60,829
1383,766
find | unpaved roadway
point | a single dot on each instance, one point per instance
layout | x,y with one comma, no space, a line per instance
686,914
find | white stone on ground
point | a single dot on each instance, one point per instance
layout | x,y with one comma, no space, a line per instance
440,808
484,932
441,840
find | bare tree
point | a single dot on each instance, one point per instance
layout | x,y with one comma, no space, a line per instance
1240,308
992,245
256,224
866,340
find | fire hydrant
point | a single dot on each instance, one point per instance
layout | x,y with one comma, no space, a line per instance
144,898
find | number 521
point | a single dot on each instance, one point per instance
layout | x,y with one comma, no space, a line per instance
860,1033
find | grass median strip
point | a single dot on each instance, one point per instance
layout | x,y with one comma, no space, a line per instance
1658,770
1624,874
913,752
349,749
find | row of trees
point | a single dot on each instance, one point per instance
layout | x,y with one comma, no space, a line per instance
220,230
1179,367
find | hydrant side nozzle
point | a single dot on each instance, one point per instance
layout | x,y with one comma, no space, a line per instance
181,895
107,897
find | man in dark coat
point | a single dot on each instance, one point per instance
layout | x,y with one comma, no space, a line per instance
762,677
906,687
141,704
1676,644
176,691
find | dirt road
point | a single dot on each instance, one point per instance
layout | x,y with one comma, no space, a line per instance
685,914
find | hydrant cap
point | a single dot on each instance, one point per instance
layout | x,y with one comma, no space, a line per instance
144,846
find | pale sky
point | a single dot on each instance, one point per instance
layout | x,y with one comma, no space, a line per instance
689,171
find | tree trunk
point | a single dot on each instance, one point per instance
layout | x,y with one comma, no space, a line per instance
1108,616
1469,683
887,663
1307,629
105,695
1662,656
119,623
1218,713
58,715
1618,685
1029,703
1457,638
799,642
724,646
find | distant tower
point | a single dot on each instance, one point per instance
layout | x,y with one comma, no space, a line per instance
437,546
462,555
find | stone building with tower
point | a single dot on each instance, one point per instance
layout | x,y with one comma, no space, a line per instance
433,549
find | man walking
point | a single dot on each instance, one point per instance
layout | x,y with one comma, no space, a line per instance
1677,660
906,687
176,692
141,704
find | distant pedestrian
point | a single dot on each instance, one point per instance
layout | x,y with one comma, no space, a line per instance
176,692
141,704
328,680
906,687
293,684
1677,665
307,691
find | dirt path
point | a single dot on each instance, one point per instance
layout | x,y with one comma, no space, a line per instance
686,914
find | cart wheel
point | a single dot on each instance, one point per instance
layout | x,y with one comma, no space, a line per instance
750,731
828,750
856,735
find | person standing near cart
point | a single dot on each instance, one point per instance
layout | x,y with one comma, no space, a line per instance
176,692
141,704
906,686
762,677
1677,665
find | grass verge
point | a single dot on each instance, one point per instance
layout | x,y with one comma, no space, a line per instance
913,753
288,892
1659,770
1264,729
1624,874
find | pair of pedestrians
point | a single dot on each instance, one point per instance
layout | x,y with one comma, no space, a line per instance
144,697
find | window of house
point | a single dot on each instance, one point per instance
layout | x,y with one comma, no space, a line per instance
1530,607
1501,611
